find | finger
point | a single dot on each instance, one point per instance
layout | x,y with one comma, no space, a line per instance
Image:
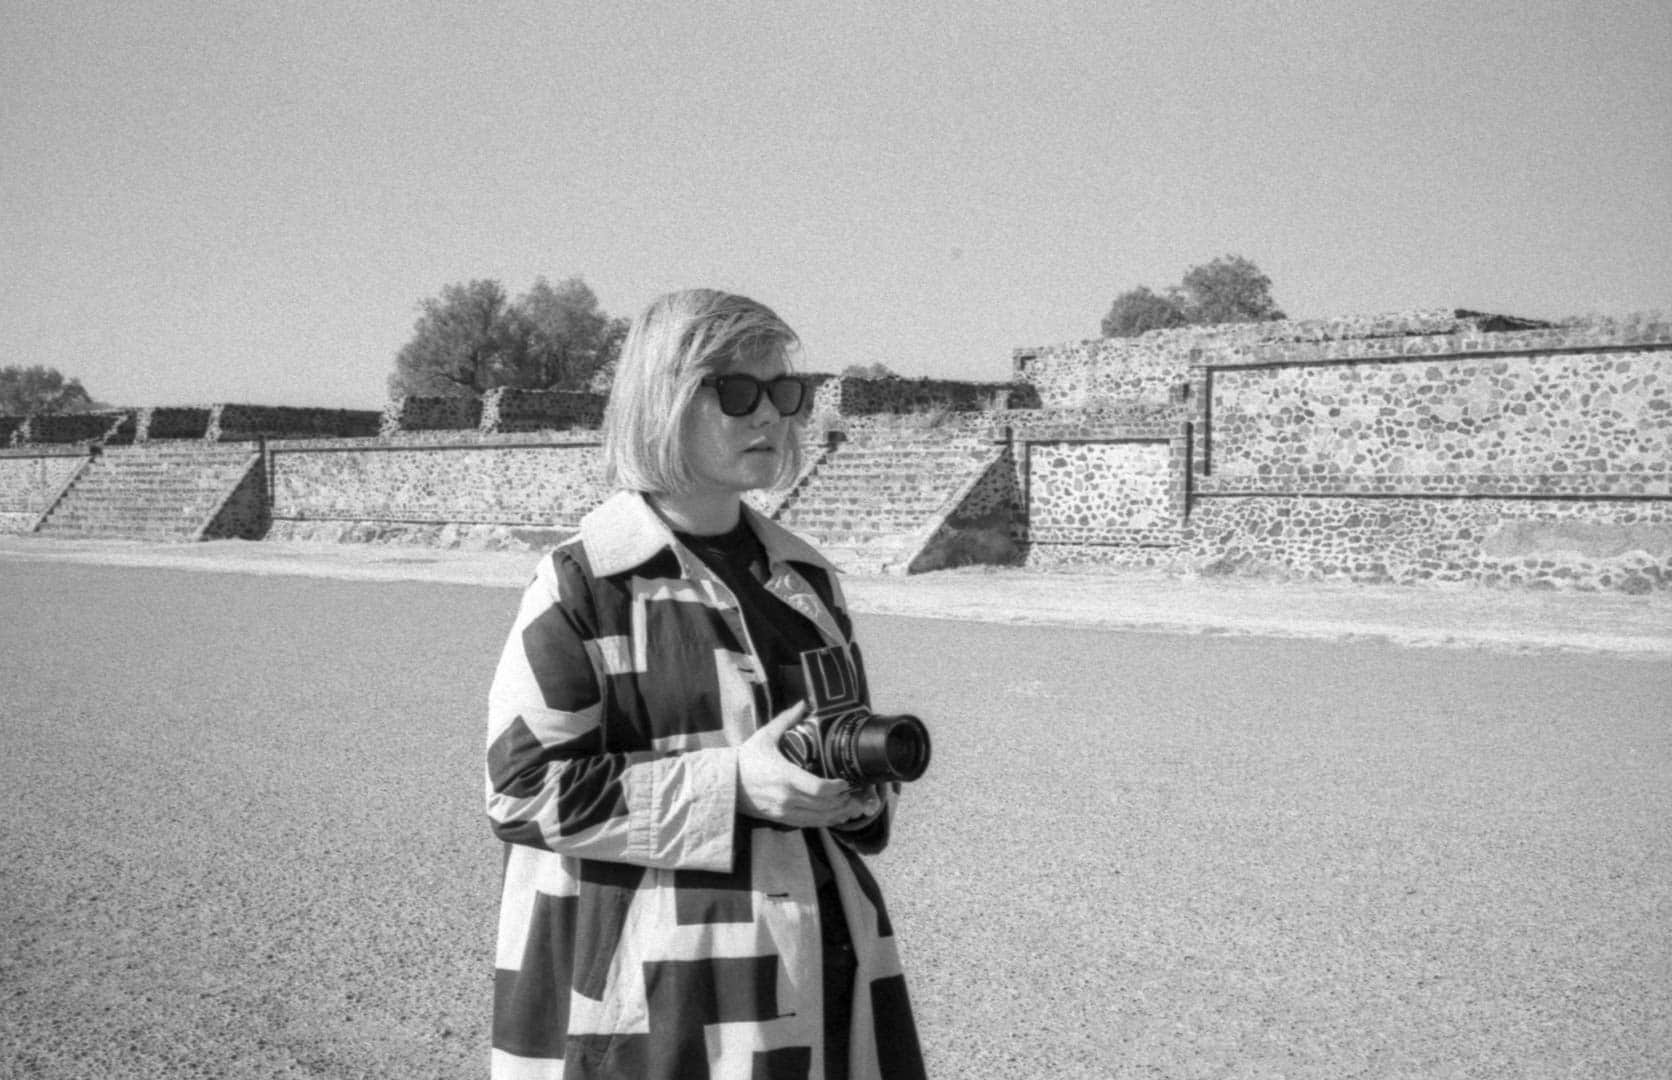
831,793
785,720
804,791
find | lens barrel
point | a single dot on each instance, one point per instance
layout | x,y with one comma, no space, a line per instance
884,748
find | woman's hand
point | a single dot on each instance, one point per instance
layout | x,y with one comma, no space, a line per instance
772,787
871,798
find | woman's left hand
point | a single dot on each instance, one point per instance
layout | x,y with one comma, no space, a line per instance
771,787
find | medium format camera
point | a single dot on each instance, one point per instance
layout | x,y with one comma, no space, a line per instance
843,740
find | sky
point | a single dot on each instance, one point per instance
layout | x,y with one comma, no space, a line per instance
247,202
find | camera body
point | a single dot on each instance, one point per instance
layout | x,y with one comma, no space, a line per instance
841,739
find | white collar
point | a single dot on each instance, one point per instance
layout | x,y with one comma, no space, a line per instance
624,532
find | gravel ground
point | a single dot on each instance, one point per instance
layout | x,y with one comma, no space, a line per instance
241,830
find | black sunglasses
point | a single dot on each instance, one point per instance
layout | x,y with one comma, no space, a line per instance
740,395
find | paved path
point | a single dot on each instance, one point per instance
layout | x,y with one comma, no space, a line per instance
241,832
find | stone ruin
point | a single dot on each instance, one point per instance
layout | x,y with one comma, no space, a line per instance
1431,446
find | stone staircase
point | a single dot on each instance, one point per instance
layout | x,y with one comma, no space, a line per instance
149,494
873,502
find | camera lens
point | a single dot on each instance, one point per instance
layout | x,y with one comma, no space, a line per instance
892,748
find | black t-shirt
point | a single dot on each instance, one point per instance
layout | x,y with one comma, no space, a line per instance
779,633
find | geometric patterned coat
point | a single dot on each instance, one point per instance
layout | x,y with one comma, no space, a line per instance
647,930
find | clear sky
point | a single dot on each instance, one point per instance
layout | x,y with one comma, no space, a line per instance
245,202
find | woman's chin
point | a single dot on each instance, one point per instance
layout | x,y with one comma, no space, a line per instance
761,466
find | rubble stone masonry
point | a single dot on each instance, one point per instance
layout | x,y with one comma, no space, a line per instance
1422,447
1432,446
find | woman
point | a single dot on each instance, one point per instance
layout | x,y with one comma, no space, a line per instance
680,900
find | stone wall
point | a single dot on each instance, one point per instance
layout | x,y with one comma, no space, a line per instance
205,423
1144,370
1414,447
1115,423
1101,492
171,422
413,413
953,426
1555,423
849,396
1153,368
510,410
485,494
239,423
1528,455
58,429
503,410
1543,543
1422,446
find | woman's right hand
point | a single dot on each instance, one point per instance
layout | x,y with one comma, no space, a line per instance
771,787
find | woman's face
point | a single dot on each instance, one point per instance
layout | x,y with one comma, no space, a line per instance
728,455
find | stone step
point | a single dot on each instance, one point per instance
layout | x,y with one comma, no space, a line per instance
120,533
98,488
901,463
127,493
924,499
131,514
822,512
899,447
829,531
122,527
933,462
898,477
147,492
176,449
218,468
822,516
868,495
78,518
886,481
169,461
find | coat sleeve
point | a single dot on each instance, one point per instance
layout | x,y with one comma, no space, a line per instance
554,780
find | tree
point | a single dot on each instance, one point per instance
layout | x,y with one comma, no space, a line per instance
461,344
473,338
25,390
1139,310
569,337
878,370
1227,290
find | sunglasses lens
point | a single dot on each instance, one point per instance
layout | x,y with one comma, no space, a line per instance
739,394
787,393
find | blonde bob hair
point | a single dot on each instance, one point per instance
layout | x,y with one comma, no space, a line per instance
678,340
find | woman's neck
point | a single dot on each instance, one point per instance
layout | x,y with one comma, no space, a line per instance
699,514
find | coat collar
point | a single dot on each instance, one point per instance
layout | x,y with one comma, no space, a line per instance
624,533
